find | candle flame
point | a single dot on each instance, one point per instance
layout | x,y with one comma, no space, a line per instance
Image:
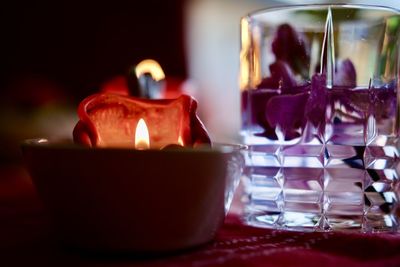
142,138
180,141
151,67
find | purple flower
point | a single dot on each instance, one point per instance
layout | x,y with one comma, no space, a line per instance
280,101
345,78
256,101
291,47
281,77
317,102
345,74
287,113
383,101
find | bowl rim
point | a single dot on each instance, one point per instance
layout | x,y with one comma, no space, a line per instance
68,144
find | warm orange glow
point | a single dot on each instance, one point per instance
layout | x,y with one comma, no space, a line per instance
151,67
142,138
250,68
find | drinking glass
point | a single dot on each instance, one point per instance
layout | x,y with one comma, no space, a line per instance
320,112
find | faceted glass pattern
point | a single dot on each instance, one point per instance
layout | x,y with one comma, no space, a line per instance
321,118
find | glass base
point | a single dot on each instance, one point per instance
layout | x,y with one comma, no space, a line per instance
323,187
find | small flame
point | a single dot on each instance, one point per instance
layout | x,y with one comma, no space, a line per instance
152,67
180,141
142,138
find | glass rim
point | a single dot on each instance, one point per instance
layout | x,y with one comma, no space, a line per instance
320,6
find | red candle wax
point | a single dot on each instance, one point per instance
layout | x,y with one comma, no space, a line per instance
109,120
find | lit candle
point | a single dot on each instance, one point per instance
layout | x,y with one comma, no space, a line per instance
142,139
108,120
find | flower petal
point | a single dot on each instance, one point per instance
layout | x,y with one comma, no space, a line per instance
291,47
345,74
287,112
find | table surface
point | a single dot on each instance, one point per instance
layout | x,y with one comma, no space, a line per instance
27,238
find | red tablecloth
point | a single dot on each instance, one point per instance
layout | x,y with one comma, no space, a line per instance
26,239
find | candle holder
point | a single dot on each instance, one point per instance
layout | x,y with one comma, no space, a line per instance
116,199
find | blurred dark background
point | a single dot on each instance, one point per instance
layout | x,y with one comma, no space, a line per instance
55,53
80,44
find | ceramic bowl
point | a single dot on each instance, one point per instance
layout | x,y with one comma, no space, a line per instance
111,199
